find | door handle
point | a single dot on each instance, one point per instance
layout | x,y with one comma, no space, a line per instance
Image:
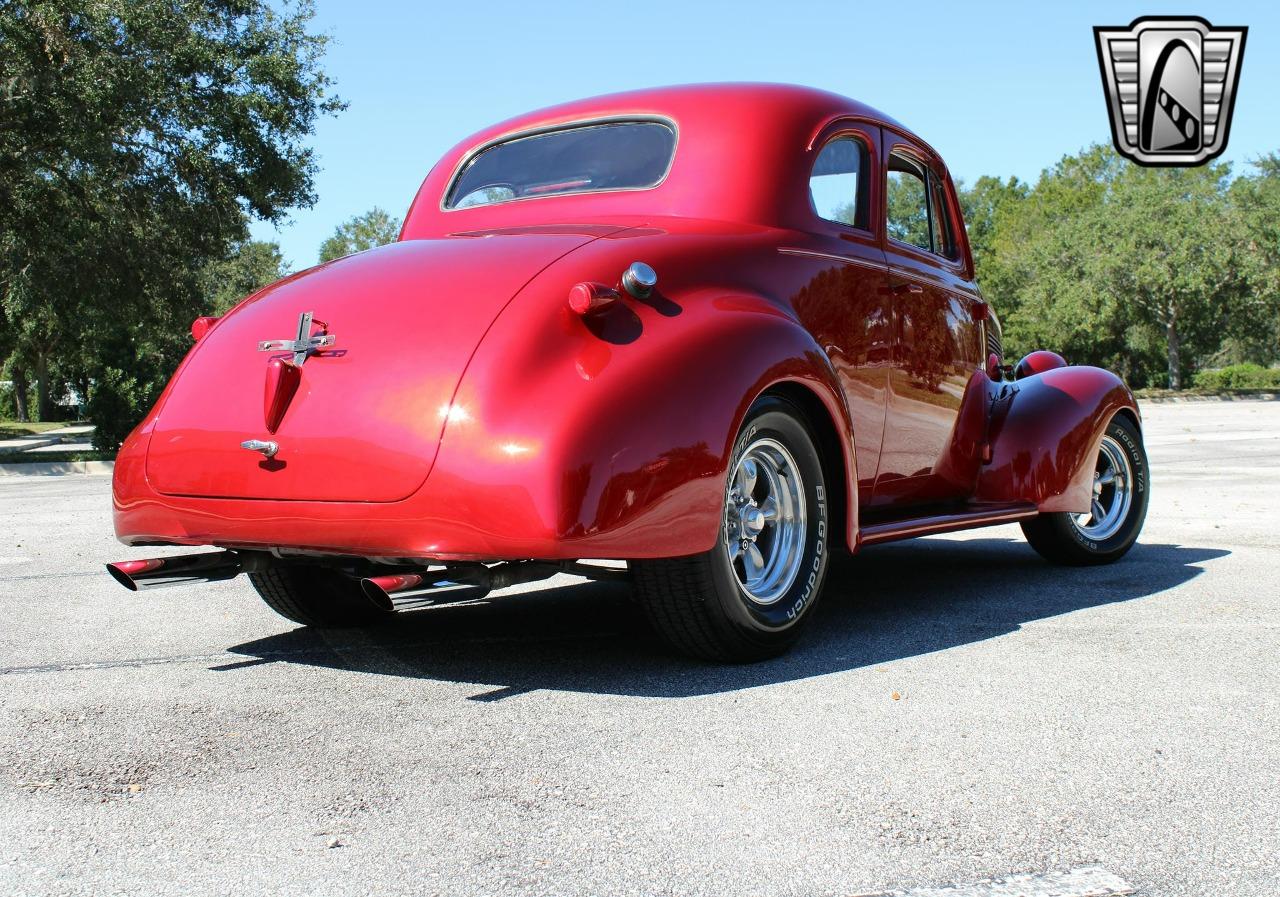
913,289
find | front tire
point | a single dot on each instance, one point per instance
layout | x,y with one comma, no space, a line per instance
316,596
748,598
1120,494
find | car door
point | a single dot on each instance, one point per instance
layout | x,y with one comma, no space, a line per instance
842,289
937,336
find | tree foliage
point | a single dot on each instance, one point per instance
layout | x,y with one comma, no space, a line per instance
360,232
907,208
137,138
1149,271
982,205
1239,376
1255,337
247,267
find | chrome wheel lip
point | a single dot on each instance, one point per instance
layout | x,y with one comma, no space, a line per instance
1112,496
765,521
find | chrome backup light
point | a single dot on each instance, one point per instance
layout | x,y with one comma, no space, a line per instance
639,280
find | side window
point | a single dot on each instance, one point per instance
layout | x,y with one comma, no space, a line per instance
836,186
907,203
943,240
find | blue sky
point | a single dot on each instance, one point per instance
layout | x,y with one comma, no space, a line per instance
996,88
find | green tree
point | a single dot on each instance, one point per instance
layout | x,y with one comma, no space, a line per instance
1139,269
249,266
908,210
136,138
360,232
983,206
1255,336
1169,251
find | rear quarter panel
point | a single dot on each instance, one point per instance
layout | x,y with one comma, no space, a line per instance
610,435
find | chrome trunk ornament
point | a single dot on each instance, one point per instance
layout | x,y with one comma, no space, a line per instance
304,343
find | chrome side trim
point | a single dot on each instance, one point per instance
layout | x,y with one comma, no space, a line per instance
908,529
813,253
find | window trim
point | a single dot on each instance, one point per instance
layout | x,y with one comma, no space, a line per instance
864,182
945,221
472,154
924,177
910,153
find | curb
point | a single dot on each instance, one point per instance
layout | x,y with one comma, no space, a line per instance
1222,397
57,468
27,443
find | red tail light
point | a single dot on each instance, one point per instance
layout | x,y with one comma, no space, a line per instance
200,326
993,367
586,297
283,377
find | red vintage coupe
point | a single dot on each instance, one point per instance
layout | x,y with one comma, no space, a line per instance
718,332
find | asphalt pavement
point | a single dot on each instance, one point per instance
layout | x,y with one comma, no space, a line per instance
961,711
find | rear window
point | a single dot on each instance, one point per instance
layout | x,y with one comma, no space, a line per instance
617,156
836,186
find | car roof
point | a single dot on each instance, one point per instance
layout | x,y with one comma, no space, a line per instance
736,142
703,103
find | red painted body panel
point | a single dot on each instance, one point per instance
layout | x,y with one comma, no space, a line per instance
466,411
742,155
1044,433
1037,363
374,398
561,441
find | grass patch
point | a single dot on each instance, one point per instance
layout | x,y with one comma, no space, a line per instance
12,429
41,457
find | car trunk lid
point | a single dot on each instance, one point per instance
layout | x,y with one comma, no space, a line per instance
363,417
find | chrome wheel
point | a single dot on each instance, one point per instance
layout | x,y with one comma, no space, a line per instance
1112,493
765,521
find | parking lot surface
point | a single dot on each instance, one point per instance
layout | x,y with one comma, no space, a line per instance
960,711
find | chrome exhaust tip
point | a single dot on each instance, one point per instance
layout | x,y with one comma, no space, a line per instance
181,569
379,589
382,590
459,582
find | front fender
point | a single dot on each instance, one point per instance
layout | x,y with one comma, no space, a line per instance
610,436
1044,434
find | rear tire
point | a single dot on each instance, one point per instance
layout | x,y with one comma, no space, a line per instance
316,596
1121,493
748,598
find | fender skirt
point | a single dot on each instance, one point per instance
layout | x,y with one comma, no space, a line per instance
1044,433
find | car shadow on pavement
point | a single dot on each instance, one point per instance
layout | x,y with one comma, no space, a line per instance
889,602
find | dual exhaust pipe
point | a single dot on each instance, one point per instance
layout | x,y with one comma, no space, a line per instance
471,581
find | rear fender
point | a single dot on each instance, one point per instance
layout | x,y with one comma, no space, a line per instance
1044,433
610,435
